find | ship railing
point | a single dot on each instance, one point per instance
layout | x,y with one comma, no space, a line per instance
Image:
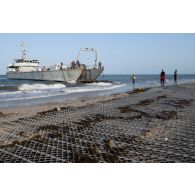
94,67
71,68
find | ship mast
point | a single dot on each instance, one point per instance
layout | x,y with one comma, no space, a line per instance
23,51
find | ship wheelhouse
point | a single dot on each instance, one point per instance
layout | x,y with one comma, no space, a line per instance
23,64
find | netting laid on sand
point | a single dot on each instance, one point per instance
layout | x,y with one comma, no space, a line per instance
134,128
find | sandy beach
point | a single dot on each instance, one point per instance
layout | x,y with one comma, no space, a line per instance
146,125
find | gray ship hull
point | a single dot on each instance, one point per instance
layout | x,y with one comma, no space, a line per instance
90,75
68,75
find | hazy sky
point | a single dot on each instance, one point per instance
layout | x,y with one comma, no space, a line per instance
119,53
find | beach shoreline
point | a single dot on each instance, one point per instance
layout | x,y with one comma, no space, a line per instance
83,101
143,125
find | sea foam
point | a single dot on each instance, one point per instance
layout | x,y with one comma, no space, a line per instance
34,87
100,84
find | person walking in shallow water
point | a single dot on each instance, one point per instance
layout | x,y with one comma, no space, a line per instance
175,77
133,79
162,78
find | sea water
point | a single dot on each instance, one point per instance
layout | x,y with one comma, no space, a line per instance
25,92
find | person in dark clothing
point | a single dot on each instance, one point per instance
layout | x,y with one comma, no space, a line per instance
133,79
175,77
61,64
162,78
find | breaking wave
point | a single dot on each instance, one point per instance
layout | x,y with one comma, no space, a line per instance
100,84
94,87
34,87
39,91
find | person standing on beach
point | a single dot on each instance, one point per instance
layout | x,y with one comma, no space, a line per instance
133,79
162,78
175,77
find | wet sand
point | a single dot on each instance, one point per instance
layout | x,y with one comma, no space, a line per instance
146,125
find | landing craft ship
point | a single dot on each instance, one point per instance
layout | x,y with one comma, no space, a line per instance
28,69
